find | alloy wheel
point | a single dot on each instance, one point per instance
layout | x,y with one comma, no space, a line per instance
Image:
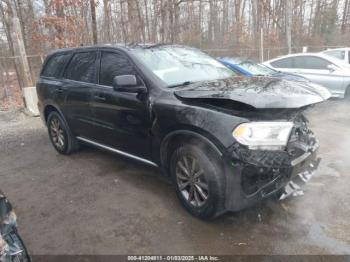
191,181
57,133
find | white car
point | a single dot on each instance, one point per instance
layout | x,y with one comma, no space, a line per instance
318,68
339,53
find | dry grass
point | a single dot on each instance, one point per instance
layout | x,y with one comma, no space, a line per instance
10,94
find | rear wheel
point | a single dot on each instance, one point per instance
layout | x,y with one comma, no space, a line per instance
60,135
347,94
199,180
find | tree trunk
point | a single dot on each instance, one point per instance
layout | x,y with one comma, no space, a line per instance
106,21
93,21
289,25
345,17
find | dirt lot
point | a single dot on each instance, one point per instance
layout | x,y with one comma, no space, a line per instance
98,203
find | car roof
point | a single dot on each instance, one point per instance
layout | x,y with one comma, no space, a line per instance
321,55
123,46
337,49
235,60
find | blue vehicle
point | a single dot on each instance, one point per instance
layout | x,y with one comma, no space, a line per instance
250,68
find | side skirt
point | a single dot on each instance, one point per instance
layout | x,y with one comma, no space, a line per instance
111,149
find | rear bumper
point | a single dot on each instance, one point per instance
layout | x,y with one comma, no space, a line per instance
261,175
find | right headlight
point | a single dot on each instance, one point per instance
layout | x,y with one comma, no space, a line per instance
263,135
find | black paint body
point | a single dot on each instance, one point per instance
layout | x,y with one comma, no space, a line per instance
147,124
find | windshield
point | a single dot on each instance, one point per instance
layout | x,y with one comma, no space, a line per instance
257,69
178,65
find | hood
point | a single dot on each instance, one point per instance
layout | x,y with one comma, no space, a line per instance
258,92
291,77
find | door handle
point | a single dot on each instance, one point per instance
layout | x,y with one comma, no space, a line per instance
60,90
101,98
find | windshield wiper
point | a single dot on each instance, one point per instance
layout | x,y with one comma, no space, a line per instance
186,83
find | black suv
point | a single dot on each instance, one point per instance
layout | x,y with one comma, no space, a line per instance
226,141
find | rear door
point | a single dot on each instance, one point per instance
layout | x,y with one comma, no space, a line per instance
122,120
79,78
49,85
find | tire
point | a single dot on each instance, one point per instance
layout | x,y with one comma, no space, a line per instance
60,135
347,94
206,172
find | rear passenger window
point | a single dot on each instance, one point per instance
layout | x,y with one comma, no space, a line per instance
54,65
114,64
283,63
82,67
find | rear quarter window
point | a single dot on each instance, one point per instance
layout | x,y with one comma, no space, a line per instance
54,65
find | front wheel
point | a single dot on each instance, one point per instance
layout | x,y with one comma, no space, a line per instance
199,180
347,94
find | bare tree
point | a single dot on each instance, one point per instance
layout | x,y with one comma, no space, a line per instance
93,21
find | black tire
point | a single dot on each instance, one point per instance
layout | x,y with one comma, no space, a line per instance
347,94
212,175
66,143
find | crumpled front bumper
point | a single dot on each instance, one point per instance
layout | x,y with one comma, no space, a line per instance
304,168
256,175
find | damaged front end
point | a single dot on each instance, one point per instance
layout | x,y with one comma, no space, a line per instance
264,173
273,149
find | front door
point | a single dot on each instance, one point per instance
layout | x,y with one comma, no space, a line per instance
122,120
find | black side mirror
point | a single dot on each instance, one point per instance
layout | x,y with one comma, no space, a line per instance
127,84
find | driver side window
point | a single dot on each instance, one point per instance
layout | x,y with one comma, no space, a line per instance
114,64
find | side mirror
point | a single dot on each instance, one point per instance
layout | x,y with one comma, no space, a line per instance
127,84
332,67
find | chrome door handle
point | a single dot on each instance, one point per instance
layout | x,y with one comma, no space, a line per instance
102,98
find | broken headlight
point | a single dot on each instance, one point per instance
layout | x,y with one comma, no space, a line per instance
263,135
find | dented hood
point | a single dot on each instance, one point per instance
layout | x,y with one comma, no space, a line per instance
258,92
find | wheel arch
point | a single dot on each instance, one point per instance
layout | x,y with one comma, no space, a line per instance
172,139
50,108
347,92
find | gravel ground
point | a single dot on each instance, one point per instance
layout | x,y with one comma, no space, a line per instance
93,202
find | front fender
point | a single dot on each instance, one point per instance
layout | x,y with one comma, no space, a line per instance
214,124
164,156
211,126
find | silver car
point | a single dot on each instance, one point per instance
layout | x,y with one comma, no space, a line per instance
340,53
318,68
